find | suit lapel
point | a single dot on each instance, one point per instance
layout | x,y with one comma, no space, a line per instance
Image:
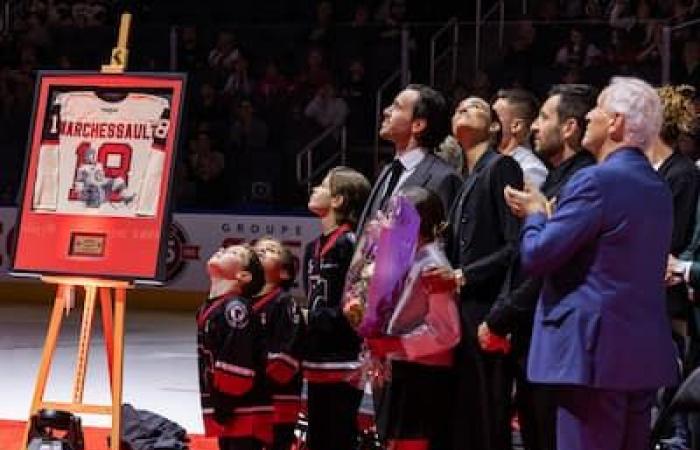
471,181
421,175
373,200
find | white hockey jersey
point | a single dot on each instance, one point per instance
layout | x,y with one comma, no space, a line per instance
102,157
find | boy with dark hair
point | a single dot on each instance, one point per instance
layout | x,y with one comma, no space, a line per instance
231,352
284,327
516,110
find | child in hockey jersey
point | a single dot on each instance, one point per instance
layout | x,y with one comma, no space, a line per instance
332,346
421,333
232,355
284,324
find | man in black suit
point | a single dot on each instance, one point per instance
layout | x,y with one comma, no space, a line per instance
482,239
416,122
557,134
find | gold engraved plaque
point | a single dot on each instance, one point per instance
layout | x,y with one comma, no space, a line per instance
87,244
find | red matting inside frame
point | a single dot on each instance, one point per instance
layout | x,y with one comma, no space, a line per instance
132,245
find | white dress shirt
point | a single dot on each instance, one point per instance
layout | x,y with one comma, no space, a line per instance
534,170
409,161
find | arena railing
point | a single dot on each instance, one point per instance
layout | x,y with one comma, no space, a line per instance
310,163
479,22
10,10
451,49
392,80
667,37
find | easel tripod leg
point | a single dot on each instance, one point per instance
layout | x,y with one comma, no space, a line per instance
107,327
118,366
84,344
46,357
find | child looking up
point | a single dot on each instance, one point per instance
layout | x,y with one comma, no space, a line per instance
284,327
231,353
332,346
421,333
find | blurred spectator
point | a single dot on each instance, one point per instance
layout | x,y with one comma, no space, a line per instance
209,106
313,75
207,165
392,15
185,189
621,52
360,18
272,85
60,14
322,33
89,13
572,9
225,53
548,32
683,10
271,99
358,38
190,56
517,66
386,52
239,82
37,33
358,96
64,62
687,71
594,9
326,109
248,133
642,26
577,53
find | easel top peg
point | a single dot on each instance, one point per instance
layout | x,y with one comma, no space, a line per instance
120,53
85,281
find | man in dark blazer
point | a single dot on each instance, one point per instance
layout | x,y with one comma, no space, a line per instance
481,240
416,122
600,330
557,134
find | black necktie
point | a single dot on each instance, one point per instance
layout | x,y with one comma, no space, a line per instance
396,171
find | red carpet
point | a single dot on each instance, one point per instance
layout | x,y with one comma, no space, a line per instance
95,438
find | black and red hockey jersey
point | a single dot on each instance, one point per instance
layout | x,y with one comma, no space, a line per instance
331,345
232,365
284,326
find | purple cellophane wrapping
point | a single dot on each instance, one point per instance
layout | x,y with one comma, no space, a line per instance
394,251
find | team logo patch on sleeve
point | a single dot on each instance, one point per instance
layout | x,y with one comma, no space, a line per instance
237,314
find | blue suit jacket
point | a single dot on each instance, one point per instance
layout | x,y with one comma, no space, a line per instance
601,318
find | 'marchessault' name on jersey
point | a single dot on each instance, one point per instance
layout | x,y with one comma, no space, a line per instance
102,157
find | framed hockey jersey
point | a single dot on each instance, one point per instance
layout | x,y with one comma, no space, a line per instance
97,175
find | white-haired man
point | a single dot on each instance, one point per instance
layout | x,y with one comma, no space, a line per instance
601,332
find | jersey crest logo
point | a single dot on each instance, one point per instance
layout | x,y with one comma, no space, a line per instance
237,314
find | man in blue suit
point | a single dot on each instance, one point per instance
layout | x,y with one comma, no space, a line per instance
601,333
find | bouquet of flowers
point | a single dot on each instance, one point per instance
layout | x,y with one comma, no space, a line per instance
381,261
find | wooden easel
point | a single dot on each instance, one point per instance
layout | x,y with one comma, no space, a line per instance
112,316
